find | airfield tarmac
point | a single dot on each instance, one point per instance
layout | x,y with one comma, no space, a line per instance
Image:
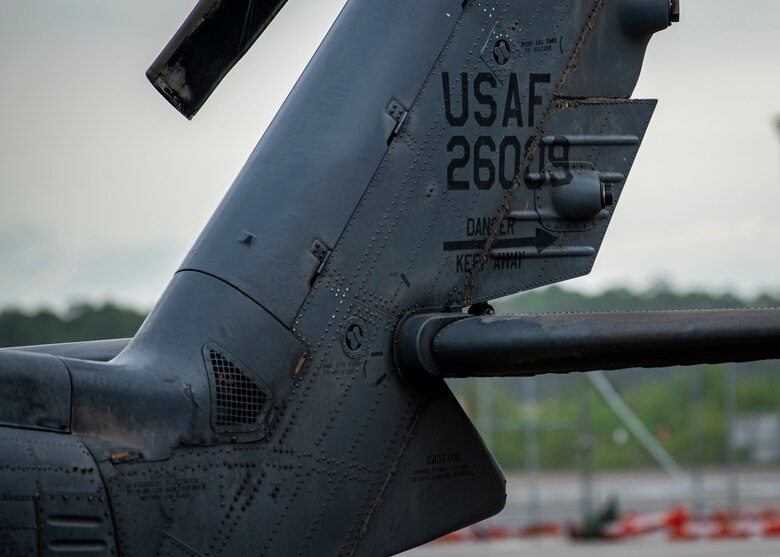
559,496
648,546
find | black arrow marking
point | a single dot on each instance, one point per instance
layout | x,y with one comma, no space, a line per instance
465,245
540,241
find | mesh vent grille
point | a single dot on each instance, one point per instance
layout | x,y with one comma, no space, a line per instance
238,401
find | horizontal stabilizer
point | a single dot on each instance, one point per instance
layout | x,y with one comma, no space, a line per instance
454,345
91,350
206,47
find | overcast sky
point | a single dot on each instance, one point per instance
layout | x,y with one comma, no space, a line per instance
105,187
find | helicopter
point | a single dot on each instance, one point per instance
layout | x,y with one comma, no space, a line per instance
286,395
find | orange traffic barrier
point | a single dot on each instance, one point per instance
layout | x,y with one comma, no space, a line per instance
678,522
543,529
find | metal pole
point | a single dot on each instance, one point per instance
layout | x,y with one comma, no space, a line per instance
531,449
586,453
730,400
697,385
635,425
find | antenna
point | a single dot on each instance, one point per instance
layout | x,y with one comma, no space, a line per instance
777,125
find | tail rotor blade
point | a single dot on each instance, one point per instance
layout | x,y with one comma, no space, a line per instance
206,47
